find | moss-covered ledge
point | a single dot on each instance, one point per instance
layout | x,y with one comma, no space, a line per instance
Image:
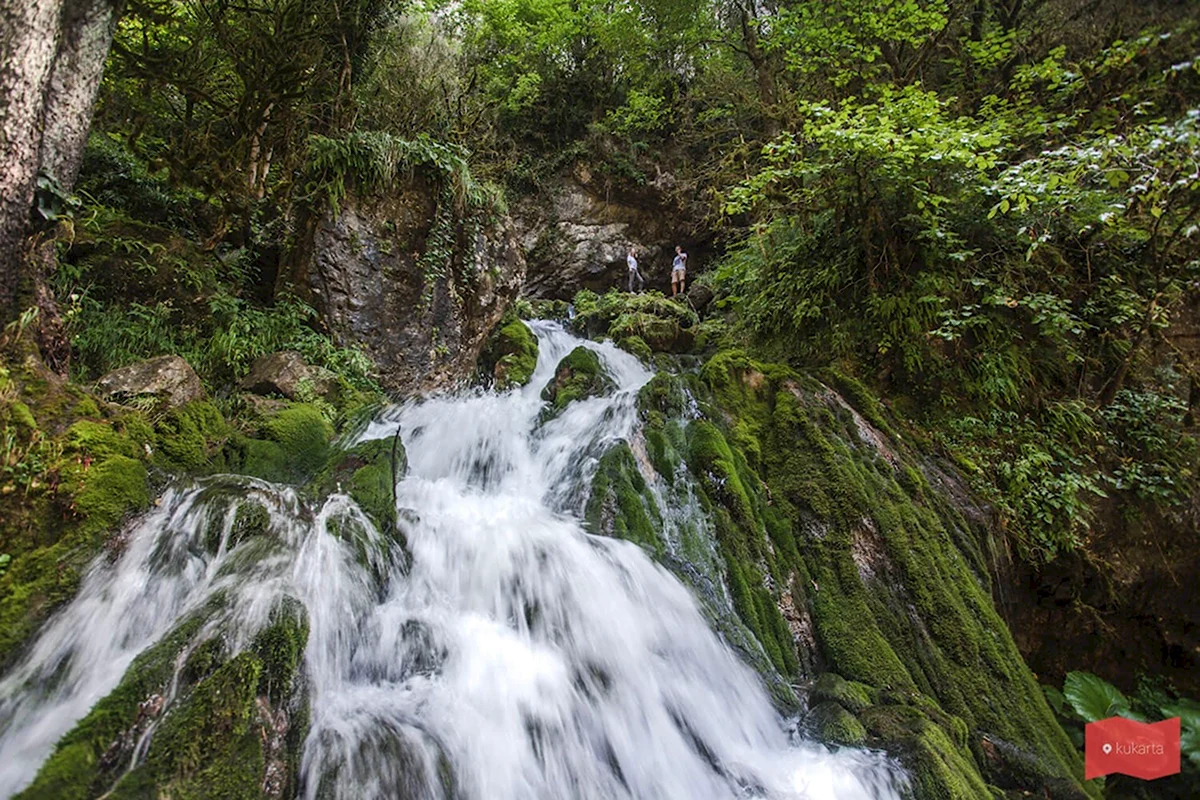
856,576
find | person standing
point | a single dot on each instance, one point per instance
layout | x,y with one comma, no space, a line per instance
678,271
634,274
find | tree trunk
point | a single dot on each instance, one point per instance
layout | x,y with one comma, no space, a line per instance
87,32
28,42
53,52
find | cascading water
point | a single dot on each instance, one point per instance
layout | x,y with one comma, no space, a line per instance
505,654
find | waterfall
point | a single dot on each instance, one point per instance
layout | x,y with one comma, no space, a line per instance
503,654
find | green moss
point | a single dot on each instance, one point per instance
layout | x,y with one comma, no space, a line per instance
836,725
510,355
280,646
579,375
111,489
365,472
21,416
86,408
620,504
938,768
887,571
851,695
189,436
212,721
304,435
636,345
77,769
33,586
663,324
260,458
100,440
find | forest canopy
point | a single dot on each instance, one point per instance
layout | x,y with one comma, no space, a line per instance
987,209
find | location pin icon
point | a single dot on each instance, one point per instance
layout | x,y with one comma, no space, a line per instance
1107,748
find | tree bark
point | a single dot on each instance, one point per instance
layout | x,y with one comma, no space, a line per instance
29,31
87,31
53,54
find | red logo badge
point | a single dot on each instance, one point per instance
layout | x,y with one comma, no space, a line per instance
1139,749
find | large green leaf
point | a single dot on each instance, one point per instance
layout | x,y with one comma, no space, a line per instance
1188,712
1093,698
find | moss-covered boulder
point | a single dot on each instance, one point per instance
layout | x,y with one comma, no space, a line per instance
835,725
578,376
367,472
661,324
510,355
292,445
851,695
818,505
220,725
190,438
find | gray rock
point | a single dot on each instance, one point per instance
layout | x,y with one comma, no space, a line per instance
577,233
278,373
169,378
419,300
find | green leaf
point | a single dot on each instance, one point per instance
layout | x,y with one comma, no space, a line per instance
1093,698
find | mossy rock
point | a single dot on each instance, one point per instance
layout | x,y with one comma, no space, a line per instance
280,647
304,435
620,504
659,334
636,346
886,573
295,445
851,695
111,489
189,437
836,725
663,323
938,768
510,356
94,752
366,472
579,375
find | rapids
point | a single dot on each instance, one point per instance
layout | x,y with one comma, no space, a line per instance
504,654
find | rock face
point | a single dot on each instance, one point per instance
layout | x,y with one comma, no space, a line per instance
414,283
577,233
169,378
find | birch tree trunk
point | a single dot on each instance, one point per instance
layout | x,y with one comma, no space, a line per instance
87,32
52,55
28,43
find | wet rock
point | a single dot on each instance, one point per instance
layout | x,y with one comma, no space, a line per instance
579,375
415,282
849,694
510,355
834,724
169,379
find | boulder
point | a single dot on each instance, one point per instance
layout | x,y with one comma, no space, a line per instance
285,373
579,375
168,378
416,284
